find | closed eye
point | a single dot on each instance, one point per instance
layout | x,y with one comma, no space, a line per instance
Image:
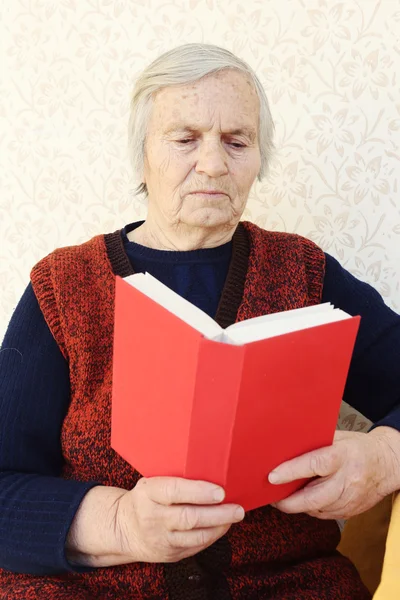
233,144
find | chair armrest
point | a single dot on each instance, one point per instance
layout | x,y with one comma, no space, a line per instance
389,588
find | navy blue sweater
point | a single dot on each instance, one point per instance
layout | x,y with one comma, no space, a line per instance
36,505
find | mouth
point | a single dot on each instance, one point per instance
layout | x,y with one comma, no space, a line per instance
210,193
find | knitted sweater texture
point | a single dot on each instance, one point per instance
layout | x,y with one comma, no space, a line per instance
269,554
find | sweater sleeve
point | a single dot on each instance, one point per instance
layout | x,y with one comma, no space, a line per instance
37,506
373,384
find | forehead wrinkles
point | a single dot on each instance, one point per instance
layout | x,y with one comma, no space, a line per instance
209,100
226,85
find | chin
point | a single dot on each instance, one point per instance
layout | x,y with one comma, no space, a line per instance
211,218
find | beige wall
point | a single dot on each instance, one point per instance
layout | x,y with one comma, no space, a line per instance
331,71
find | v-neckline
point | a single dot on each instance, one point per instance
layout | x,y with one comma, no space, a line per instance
232,292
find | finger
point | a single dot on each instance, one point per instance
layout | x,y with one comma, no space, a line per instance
326,515
313,498
185,518
341,434
176,490
319,463
200,538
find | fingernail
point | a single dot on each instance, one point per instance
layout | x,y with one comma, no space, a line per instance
218,494
239,514
273,477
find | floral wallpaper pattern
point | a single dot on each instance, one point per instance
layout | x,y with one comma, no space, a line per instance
330,70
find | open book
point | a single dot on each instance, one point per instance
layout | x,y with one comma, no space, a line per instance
192,399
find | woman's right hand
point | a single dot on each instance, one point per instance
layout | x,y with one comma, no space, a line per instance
166,519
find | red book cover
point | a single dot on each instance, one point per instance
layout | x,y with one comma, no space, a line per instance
187,406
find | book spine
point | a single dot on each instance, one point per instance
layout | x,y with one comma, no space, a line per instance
218,380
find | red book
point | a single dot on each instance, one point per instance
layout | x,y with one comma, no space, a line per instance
228,406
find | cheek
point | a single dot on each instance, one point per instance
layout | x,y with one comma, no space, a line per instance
173,166
254,163
246,172
178,174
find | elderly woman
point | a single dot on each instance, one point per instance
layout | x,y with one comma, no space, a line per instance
76,520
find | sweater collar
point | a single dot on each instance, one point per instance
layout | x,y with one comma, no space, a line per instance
232,292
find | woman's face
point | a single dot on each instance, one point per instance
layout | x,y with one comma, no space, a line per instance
202,137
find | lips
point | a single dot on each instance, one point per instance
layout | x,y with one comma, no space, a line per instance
209,192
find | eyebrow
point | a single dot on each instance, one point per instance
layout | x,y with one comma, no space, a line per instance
249,132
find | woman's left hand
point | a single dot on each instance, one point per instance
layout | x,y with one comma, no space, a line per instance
351,476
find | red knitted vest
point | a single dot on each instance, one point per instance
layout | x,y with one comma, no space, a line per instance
269,554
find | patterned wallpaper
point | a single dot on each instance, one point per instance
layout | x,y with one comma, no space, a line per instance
331,72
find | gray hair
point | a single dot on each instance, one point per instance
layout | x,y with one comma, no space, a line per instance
180,66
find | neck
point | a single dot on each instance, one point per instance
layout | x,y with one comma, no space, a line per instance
181,238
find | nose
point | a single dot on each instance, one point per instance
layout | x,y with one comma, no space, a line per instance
211,159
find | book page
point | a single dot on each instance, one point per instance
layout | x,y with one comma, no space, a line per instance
180,307
266,328
287,314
